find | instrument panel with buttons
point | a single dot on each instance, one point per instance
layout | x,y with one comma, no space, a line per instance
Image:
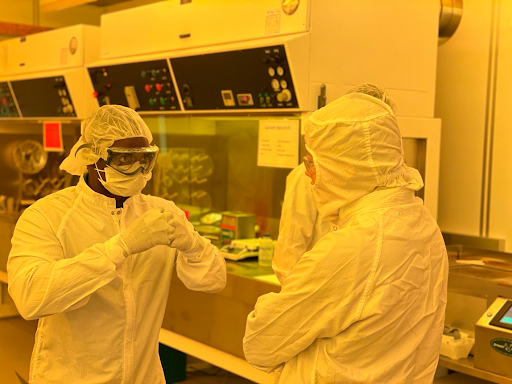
7,105
256,78
145,86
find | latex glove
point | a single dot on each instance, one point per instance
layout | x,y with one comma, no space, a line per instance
149,230
181,237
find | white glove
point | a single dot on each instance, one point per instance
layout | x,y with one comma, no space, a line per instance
149,230
181,237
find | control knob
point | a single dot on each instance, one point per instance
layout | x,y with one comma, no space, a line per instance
284,96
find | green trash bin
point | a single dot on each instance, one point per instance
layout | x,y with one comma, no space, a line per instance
174,364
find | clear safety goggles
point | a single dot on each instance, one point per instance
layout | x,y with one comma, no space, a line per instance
307,163
130,161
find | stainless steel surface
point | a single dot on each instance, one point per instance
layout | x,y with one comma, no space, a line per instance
467,366
475,241
482,272
450,15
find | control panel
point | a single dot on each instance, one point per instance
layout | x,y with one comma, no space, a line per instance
44,97
256,78
145,86
7,106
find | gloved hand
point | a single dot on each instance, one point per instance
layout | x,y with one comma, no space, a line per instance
181,237
149,230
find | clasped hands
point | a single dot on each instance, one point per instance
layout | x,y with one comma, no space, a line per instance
157,227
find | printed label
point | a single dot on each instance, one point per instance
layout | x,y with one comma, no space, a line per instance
503,346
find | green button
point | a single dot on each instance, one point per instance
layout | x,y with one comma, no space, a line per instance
259,95
162,100
152,101
154,72
266,94
143,74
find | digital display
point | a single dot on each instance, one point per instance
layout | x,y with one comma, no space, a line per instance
507,318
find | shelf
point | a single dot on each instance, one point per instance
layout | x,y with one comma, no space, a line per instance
467,366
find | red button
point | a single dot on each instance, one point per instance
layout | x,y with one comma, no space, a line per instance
147,87
109,86
158,87
95,95
4,100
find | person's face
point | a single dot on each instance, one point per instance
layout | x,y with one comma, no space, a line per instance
310,168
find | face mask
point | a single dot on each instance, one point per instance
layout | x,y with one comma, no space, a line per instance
122,185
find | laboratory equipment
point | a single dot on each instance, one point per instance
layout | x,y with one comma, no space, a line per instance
241,249
44,75
493,347
265,251
29,156
237,225
210,232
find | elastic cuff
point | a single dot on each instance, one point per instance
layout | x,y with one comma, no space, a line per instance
116,250
197,250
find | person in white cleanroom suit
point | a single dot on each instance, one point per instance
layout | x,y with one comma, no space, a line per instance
367,303
93,262
301,226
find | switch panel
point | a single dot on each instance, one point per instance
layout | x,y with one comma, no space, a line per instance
260,79
7,105
145,86
55,102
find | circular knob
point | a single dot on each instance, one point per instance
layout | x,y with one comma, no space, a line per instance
284,96
159,87
147,87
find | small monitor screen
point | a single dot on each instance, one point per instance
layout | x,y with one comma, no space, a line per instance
507,317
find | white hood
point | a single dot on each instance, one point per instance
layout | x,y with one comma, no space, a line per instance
356,147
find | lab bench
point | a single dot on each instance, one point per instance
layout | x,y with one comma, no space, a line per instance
211,327
217,321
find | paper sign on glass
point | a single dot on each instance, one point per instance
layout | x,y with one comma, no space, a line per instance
278,143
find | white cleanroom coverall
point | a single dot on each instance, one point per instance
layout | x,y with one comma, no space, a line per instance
300,227
366,304
100,312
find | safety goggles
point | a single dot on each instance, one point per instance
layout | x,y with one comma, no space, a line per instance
307,163
130,161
